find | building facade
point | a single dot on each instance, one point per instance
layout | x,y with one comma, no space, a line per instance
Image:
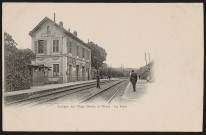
58,48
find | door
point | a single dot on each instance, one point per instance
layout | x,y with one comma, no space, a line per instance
83,73
77,72
70,73
88,73
68,76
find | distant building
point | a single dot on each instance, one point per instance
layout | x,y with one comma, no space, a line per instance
146,72
58,48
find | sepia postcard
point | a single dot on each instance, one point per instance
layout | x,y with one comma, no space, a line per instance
135,67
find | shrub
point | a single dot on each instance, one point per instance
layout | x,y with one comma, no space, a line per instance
17,74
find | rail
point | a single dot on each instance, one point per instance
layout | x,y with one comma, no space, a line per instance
54,94
105,89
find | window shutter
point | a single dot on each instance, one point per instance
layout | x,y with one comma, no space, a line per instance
35,46
45,46
53,46
70,43
60,47
89,56
85,54
77,50
74,49
67,46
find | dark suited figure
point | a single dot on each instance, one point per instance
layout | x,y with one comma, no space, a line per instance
109,76
98,80
133,80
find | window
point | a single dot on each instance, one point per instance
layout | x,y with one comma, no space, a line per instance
47,27
41,46
88,55
77,50
69,47
55,45
55,69
83,53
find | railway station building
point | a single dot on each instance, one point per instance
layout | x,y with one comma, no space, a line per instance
68,57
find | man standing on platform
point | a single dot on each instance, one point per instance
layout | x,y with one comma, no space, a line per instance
109,76
133,80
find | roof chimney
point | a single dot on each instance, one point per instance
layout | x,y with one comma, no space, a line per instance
69,30
54,17
61,23
75,33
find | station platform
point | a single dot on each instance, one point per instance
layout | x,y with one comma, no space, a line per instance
48,87
141,88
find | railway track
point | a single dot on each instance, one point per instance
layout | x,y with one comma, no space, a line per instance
53,95
107,94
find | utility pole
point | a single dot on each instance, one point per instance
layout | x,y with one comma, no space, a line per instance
123,70
149,57
54,18
148,68
146,58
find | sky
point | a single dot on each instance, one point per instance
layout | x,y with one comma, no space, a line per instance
125,31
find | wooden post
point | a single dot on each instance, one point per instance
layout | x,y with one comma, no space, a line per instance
149,57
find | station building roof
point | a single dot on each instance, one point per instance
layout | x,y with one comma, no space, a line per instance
59,27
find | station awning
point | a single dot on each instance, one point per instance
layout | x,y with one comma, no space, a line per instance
38,66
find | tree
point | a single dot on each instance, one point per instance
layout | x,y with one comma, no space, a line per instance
98,55
17,75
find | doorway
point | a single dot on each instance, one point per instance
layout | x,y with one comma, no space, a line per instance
88,73
69,73
77,72
83,73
